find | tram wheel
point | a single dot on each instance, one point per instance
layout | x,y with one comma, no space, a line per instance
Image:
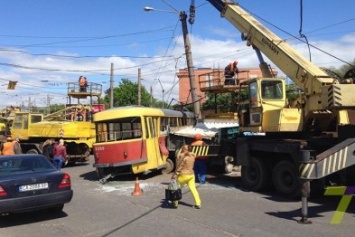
168,167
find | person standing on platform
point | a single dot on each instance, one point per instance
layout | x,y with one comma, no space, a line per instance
83,83
229,72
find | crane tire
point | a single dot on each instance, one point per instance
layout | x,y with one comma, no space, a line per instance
285,179
256,176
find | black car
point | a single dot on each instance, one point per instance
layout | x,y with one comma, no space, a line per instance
31,182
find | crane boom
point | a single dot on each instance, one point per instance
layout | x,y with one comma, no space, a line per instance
304,73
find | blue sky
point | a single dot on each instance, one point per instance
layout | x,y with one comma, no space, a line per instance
45,44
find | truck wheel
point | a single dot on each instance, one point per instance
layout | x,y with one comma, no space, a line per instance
168,167
285,179
256,176
32,151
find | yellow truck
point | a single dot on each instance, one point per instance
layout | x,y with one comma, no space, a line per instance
73,124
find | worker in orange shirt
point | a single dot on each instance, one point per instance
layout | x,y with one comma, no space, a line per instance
200,166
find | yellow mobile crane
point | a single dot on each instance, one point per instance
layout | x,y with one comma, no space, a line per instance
284,144
73,124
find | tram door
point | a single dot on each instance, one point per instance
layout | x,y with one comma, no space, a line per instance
152,141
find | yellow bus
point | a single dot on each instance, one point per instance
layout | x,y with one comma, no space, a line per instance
135,139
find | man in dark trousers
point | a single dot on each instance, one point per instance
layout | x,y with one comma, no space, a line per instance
229,72
83,83
200,166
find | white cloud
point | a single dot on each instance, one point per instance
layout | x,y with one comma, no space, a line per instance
206,53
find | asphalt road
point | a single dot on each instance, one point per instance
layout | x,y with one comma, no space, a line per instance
227,210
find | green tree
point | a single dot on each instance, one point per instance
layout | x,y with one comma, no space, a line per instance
292,92
224,102
127,94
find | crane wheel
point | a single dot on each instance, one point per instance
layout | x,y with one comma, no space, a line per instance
256,175
285,179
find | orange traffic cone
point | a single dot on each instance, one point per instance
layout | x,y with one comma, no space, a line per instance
137,190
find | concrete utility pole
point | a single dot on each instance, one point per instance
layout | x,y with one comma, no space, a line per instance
29,104
190,66
139,87
188,53
48,104
111,86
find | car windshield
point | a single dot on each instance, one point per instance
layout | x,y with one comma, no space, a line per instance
12,165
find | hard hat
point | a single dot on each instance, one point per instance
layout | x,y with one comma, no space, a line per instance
198,137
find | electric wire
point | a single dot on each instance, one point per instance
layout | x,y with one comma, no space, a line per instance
299,39
300,31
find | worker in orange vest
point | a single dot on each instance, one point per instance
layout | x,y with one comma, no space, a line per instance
83,83
11,147
200,166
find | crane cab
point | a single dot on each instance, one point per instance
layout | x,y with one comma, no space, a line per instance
262,107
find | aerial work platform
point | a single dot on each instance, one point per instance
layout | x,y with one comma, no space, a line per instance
214,82
92,89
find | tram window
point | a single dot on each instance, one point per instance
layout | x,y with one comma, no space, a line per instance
101,131
126,131
120,129
147,131
154,127
173,122
137,130
151,126
178,122
113,131
164,124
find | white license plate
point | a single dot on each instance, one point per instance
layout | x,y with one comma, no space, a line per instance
30,187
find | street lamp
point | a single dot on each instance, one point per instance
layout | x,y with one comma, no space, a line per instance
188,54
148,9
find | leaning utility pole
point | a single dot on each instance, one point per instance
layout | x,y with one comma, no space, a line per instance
190,66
